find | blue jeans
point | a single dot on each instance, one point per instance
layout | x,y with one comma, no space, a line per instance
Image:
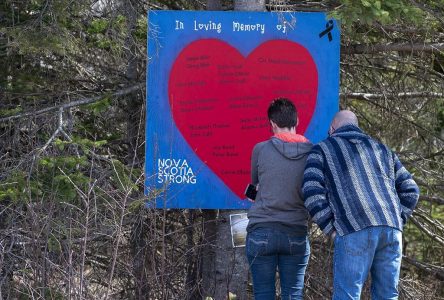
269,250
377,250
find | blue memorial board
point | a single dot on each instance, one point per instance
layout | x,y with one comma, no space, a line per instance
210,79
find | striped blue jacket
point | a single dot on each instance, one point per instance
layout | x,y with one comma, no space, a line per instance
352,182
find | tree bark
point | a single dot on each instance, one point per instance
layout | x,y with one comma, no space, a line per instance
208,257
214,5
249,5
192,257
224,268
139,248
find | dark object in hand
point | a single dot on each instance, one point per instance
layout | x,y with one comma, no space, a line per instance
251,191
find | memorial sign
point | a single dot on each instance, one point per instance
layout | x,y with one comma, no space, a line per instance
210,79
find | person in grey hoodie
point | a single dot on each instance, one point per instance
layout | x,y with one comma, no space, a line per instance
277,230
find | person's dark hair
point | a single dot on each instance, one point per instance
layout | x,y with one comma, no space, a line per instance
283,112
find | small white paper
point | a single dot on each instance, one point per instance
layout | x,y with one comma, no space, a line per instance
239,223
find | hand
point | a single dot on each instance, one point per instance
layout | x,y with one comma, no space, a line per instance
333,235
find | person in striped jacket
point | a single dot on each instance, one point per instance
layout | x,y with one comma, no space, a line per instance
359,193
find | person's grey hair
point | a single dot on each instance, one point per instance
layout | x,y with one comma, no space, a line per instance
343,118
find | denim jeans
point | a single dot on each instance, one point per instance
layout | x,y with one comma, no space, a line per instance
269,250
375,250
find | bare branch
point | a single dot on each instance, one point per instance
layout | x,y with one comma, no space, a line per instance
404,95
56,132
432,199
402,117
399,47
79,102
437,238
434,222
437,271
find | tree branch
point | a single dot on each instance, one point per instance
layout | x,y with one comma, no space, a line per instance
405,95
425,157
434,222
402,117
79,102
54,135
437,238
438,272
436,186
399,47
432,199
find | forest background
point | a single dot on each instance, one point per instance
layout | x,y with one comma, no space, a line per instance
73,221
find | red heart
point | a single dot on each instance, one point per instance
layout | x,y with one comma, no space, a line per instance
219,99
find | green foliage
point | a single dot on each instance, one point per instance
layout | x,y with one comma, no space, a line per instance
65,178
66,163
98,121
10,112
99,106
136,205
141,29
83,143
122,176
61,176
107,34
98,26
54,244
15,188
369,11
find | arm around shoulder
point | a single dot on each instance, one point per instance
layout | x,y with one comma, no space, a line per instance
315,192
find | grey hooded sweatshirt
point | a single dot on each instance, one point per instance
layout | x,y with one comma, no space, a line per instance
278,168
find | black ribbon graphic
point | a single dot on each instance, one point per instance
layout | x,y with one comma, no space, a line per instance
328,28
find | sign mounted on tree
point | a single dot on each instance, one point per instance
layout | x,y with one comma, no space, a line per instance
211,77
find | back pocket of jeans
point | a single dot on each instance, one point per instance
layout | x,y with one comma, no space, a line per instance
298,245
394,240
356,243
257,244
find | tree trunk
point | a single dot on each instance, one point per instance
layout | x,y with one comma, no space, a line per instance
224,268
208,256
139,248
134,107
249,5
214,5
193,254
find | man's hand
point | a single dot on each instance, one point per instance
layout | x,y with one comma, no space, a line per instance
333,235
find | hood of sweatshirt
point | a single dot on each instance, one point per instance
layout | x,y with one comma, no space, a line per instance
291,150
351,133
